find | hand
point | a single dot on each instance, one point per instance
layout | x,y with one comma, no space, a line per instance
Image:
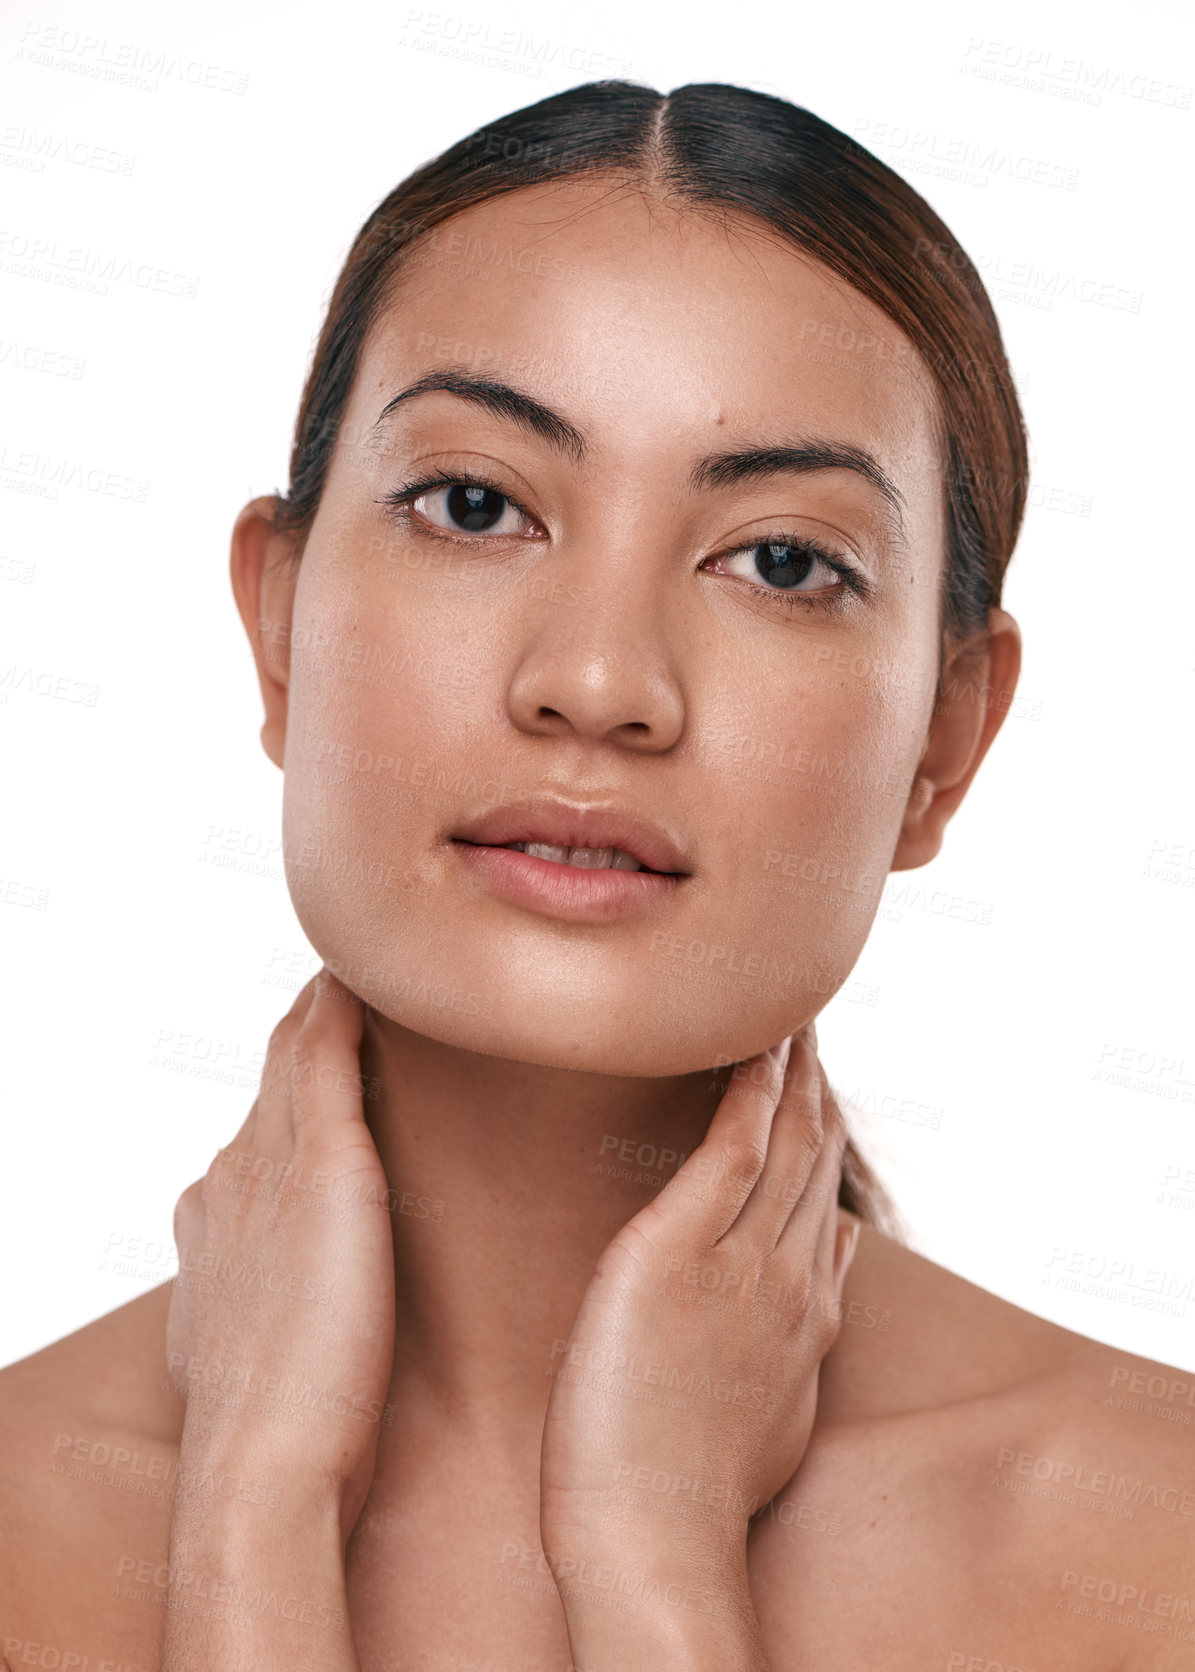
281,1325
669,1416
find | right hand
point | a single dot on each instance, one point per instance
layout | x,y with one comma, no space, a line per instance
280,1332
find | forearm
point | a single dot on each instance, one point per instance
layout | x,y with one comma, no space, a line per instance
649,1609
255,1587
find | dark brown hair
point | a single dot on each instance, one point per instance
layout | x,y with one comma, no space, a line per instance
722,151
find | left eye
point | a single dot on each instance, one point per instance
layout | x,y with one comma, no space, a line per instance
787,565
469,508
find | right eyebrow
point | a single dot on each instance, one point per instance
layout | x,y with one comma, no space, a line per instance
502,399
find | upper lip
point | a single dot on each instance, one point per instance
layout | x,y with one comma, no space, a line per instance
570,825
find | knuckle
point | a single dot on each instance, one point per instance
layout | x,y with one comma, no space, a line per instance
209,1194
312,1050
745,1152
282,1034
828,1326
805,1298
811,1145
319,1022
832,1116
188,1211
275,1070
815,1124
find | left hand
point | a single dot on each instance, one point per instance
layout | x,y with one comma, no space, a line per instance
703,1411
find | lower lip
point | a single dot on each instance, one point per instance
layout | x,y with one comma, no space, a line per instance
566,891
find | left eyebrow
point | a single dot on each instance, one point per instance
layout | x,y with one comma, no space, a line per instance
751,464
715,470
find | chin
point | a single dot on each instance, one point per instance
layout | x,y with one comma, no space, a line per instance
555,1002
635,1040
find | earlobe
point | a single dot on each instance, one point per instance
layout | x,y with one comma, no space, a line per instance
976,694
263,582
920,834
921,794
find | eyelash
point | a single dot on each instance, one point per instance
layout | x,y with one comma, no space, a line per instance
397,505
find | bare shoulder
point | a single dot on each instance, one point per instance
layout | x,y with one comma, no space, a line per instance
1048,1478
1108,1465
88,1459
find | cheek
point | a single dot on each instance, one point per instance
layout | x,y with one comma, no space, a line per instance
379,713
814,777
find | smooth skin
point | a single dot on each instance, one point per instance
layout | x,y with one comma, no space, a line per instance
755,1205
608,644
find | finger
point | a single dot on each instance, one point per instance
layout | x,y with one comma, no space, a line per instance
794,1144
809,1234
710,1187
271,1123
804,1265
846,1244
327,1086
188,1217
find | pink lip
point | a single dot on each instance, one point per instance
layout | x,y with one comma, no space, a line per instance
548,819
566,891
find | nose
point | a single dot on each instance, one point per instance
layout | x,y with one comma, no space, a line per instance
602,667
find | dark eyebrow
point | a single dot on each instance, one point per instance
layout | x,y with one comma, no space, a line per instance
503,400
716,470
746,464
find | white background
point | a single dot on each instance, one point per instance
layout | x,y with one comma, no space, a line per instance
130,955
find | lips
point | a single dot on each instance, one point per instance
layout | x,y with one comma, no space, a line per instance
588,838
581,859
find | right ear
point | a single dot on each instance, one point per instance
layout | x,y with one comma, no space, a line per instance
264,574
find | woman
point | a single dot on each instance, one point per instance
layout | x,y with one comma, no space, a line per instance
632,612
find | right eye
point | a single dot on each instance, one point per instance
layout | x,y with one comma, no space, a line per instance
460,506
469,508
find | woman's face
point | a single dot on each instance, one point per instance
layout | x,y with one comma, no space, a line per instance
623,619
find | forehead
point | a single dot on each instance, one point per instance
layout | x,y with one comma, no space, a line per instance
655,325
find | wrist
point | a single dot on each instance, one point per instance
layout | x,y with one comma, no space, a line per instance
642,1610
710,1545
248,1577
260,1482
639,1605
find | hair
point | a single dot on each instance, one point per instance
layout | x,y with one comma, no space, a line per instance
725,152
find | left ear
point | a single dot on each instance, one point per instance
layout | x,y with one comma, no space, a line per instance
978,683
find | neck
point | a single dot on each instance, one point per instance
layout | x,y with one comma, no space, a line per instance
508,1179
